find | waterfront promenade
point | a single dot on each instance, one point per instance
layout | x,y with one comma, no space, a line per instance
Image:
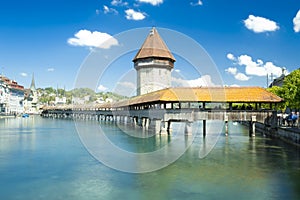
7,116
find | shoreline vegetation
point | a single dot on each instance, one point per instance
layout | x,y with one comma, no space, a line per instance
46,96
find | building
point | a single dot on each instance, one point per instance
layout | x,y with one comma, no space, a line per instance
4,92
153,63
60,100
279,81
11,96
31,99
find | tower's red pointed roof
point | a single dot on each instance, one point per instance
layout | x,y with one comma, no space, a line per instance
154,47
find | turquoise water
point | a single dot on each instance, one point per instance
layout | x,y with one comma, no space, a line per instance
45,159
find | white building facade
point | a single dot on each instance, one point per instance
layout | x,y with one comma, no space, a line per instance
4,96
11,97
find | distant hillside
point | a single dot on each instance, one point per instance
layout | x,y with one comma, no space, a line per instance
47,95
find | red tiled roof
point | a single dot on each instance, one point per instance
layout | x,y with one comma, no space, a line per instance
204,94
154,47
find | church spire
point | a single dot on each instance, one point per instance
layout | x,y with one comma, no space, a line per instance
32,85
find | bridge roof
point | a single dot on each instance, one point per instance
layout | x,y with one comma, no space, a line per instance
203,94
154,47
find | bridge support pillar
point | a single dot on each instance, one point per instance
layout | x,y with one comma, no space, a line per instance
125,119
140,121
204,128
164,128
226,128
169,127
252,126
188,128
135,121
146,122
226,124
155,125
251,129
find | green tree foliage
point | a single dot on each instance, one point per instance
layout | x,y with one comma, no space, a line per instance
50,90
61,92
82,92
279,92
290,90
48,95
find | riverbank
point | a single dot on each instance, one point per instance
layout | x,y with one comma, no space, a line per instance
290,135
7,116
25,115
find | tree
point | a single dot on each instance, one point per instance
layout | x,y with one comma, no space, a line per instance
61,92
50,90
279,92
290,90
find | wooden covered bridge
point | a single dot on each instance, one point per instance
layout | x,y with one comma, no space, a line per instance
157,110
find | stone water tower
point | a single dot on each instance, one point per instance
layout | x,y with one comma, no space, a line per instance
153,63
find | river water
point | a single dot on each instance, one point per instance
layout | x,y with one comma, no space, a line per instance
45,159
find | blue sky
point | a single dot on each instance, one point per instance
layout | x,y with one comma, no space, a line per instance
246,39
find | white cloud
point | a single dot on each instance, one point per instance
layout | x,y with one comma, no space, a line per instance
230,56
237,75
204,80
127,84
260,62
255,68
235,85
134,15
102,88
260,24
125,88
251,67
152,2
198,3
258,68
296,22
241,77
107,10
23,74
231,70
177,70
93,39
118,3
50,69
272,69
97,11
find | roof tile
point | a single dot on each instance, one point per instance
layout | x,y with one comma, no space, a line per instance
154,46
